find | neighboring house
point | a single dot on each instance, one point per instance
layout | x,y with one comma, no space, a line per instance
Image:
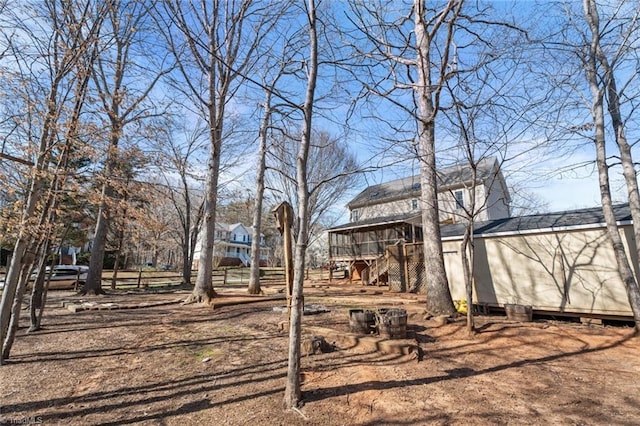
403,196
232,246
67,255
389,213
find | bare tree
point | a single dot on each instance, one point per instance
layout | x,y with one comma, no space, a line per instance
184,192
428,96
486,111
332,172
585,58
74,28
254,277
408,57
276,68
601,76
124,86
214,45
292,393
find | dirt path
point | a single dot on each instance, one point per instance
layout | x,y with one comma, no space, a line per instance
192,365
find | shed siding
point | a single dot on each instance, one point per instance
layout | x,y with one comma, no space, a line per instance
570,271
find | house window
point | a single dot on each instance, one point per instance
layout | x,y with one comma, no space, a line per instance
459,196
355,215
414,204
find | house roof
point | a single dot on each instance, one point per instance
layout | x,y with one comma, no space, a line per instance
412,217
232,227
547,221
407,187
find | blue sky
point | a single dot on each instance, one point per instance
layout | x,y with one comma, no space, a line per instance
561,173
559,179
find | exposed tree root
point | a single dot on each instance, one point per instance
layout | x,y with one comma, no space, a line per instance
98,292
297,410
254,290
204,298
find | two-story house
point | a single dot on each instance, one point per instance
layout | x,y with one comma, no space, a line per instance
402,196
232,246
389,213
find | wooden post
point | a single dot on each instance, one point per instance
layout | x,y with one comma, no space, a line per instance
284,218
404,264
139,276
288,259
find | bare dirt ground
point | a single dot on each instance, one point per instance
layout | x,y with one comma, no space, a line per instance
167,364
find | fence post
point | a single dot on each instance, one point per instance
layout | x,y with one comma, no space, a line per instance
139,276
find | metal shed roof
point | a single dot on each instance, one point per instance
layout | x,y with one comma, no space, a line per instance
588,217
579,218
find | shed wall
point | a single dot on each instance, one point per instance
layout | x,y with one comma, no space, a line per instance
563,271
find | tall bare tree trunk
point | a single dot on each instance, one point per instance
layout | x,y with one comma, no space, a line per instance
254,278
467,252
121,104
214,38
292,393
437,288
597,111
93,285
203,290
614,108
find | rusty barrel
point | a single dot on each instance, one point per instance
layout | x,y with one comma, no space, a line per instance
392,323
362,321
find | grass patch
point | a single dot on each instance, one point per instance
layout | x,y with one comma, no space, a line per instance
207,352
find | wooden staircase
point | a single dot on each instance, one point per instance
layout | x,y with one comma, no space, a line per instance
373,273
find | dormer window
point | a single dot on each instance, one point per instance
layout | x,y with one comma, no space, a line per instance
355,215
414,204
415,186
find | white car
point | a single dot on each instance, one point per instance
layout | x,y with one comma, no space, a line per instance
66,276
62,276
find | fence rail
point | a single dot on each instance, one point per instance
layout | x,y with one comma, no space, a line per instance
220,277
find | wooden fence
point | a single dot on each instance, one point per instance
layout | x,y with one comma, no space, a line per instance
238,277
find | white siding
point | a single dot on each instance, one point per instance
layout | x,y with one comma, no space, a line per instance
385,209
494,208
